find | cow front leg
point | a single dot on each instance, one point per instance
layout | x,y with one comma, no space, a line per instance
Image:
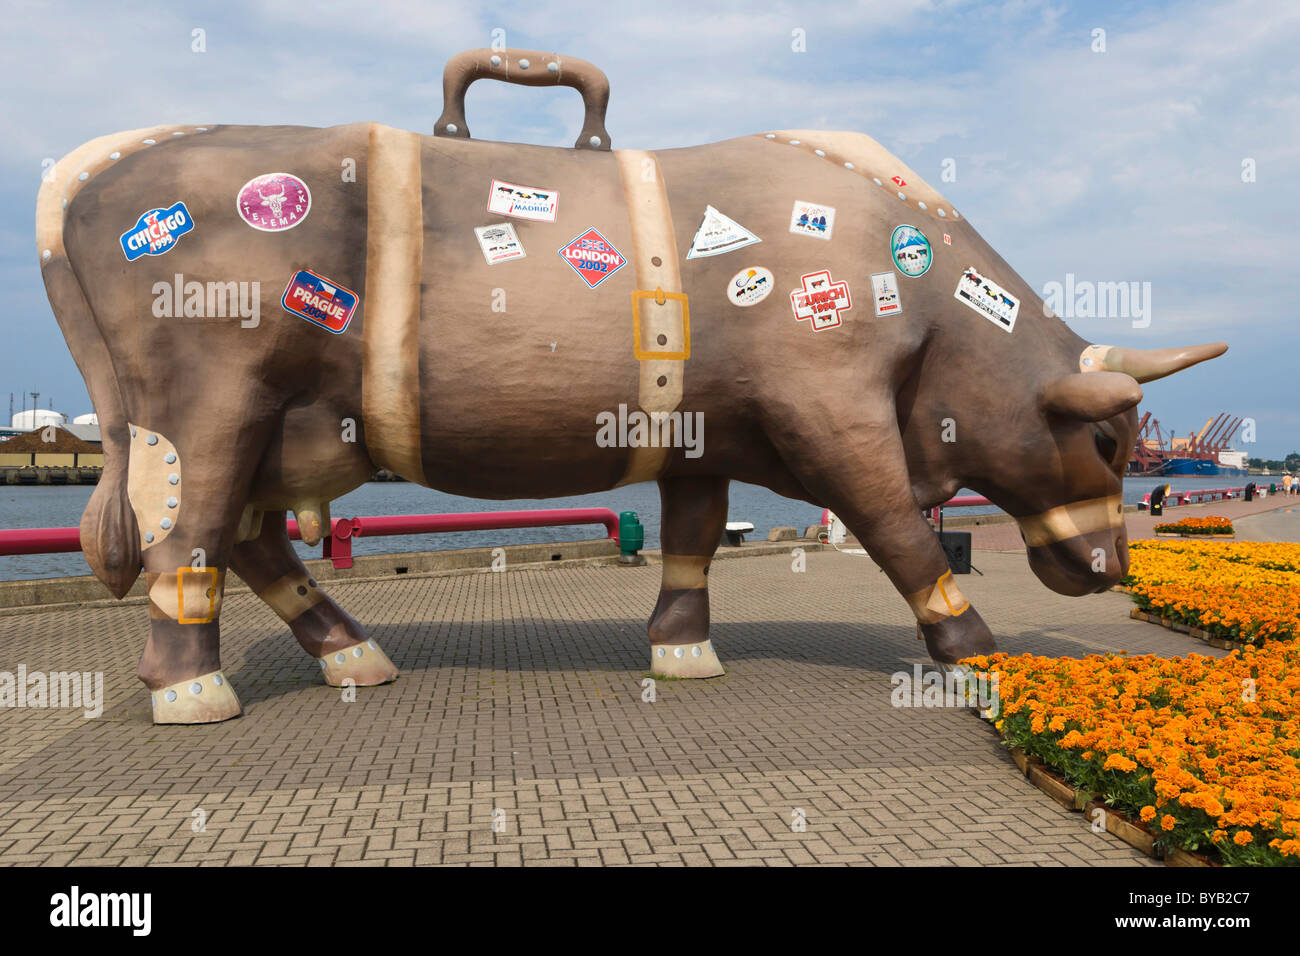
186,510
694,516
271,567
860,472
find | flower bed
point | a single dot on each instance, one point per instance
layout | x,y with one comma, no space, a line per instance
1235,591
1210,524
1203,751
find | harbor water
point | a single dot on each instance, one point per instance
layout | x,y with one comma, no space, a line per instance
54,506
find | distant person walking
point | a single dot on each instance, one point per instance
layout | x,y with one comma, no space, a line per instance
1286,483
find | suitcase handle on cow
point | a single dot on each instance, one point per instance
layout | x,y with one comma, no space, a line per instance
528,68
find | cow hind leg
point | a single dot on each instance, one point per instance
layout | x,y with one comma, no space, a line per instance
270,566
186,510
694,516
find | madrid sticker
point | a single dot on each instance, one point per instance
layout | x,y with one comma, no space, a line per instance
988,299
273,202
319,300
592,257
822,300
911,251
718,234
884,288
750,286
156,232
523,202
812,219
499,243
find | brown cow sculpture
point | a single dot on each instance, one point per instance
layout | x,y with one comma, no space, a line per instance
480,318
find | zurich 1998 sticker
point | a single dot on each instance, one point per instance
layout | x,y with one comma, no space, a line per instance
156,232
884,288
812,219
592,257
911,251
499,243
718,234
821,299
319,300
273,202
750,286
988,299
523,202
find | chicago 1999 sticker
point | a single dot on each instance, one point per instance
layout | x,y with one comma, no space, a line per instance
499,243
750,286
523,202
273,202
821,299
319,300
884,289
156,232
911,251
988,299
812,219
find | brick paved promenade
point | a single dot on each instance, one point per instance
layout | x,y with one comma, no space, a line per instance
521,692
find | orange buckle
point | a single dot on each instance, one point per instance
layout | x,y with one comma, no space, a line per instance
660,298
180,595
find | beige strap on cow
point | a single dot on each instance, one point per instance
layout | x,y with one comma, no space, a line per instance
390,375
1072,520
661,323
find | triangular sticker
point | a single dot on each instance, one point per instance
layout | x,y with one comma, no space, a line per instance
718,234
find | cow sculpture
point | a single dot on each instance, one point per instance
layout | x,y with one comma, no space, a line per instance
486,366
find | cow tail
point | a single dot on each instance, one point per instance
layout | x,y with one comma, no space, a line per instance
110,538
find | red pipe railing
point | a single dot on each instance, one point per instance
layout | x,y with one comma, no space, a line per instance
1175,498
338,545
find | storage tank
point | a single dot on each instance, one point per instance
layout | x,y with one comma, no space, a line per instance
35,418
90,418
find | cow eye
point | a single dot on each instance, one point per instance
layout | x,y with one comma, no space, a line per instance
1106,446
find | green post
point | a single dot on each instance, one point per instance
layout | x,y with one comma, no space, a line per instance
631,538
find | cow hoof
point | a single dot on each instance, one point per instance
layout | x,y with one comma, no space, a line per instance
951,639
199,700
685,660
364,665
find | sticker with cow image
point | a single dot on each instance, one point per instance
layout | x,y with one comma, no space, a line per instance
911,251
499,243
822,300
812,219
884,288
273,202
988,299
750,286
535,203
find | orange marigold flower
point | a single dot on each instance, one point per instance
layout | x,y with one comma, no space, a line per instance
1148,814
1242,837
1167,822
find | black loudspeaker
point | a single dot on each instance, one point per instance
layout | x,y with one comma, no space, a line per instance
956,545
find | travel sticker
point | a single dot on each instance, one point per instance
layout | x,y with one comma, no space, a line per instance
499,243
523,202
319,300
750,286
988,299
718,234
592,257
898,180
821,299
884,287
156,232
273,202
812,219
911,251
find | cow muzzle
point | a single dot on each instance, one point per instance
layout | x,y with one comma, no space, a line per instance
1078,548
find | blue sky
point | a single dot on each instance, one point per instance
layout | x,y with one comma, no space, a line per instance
1115,166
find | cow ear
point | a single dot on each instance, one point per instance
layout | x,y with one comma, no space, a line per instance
1091,396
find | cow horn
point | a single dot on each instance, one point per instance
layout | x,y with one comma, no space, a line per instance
1091,397
1147,365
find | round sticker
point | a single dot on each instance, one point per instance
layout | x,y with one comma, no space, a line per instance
750,286
273,202
911,251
